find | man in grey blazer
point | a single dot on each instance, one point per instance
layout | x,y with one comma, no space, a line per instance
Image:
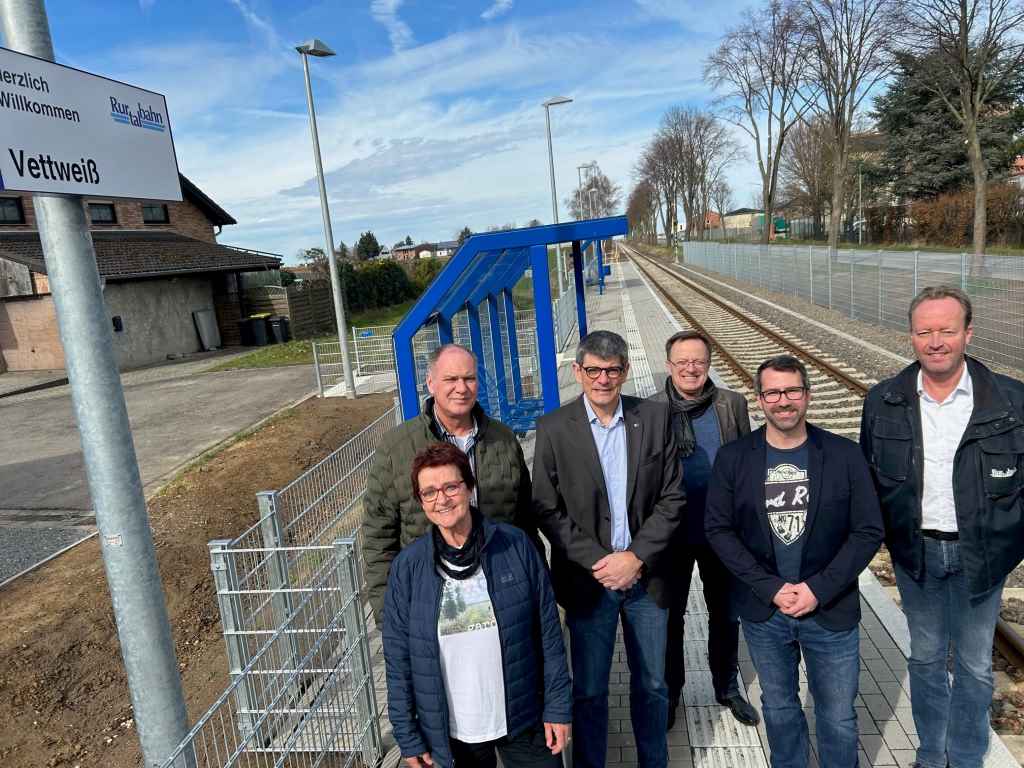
608,496
704,417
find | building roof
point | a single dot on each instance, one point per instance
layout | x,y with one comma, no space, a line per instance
217,215
741,211
131,254
448,245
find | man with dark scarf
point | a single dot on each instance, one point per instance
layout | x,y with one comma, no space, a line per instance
704,418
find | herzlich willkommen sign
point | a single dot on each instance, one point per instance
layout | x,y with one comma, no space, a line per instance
69,132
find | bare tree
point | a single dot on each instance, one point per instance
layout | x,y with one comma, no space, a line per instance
721,198
807,170
700,147
850,55
598,196
655,166
760,66
642,212
972,45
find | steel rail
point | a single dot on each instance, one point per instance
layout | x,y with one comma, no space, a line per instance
1008,642
844,378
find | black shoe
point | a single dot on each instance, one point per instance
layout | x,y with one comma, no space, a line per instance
672,717
741,709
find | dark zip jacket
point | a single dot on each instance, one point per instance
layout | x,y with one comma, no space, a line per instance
537,687
988,473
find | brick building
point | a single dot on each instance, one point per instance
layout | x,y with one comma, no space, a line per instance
160,264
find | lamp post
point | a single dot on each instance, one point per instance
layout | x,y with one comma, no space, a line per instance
553,102
320,49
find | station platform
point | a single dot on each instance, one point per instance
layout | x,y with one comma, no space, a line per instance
706,735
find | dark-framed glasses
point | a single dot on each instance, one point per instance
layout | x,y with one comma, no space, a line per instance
448,489
791,393
614,372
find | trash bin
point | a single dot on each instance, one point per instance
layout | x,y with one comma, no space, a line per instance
253,331
280,329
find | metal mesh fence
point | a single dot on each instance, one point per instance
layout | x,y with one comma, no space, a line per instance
324,502
877,286
301,694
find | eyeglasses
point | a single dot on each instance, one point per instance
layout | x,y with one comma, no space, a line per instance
448,489
679,365
615,372
792,393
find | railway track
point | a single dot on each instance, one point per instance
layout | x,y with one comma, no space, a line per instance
741,342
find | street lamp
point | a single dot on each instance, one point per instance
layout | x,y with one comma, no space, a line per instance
318,48
554,101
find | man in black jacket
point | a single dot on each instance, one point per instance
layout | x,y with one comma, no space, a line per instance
791,511
704,418
945,441
608,496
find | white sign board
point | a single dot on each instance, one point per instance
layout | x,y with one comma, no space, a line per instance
69,132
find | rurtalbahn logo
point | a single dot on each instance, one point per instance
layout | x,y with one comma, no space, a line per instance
139,116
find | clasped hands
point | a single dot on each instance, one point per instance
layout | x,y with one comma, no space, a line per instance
795,600
618,571
556,737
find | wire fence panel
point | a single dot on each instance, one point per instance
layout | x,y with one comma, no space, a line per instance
877,286
304,697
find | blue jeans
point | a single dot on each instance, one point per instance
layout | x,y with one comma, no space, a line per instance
592,636
833,667
952,721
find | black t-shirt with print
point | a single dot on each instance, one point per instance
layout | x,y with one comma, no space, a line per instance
787,496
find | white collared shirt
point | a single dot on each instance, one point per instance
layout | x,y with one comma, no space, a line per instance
610,442
942,427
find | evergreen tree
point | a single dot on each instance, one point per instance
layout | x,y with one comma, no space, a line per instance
367,247
925,154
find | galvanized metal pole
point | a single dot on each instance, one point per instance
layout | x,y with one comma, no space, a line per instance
126,540
554,197
332,261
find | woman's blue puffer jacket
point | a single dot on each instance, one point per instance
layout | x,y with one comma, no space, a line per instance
537,687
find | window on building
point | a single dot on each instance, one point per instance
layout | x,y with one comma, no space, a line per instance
11,211
155,213
102,213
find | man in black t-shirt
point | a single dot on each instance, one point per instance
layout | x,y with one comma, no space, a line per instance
793,514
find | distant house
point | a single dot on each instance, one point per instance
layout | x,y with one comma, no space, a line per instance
1017,171
712,220
447,248
743,218
160,264
403,252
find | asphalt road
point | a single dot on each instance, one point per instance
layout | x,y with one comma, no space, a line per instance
176,413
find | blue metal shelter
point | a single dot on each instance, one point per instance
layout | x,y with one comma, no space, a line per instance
478,281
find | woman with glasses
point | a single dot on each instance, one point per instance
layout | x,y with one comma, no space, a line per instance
472,641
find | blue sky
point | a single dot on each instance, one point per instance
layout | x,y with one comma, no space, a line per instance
429,116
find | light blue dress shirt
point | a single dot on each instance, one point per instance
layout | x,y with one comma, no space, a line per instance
611,451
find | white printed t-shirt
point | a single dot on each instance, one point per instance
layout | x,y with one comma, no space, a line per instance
471,660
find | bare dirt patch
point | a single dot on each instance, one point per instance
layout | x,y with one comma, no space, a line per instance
63,693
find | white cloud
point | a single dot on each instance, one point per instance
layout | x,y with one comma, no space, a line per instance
386,12
257,23
499,8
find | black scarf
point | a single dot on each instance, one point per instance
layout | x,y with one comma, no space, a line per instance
465,559
685,411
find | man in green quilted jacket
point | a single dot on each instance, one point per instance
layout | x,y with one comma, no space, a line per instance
393,518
